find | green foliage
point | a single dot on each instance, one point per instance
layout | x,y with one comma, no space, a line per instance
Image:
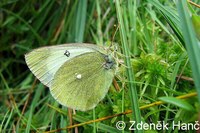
151,70
196,23
154,38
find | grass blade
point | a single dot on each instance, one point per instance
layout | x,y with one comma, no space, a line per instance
192,46
177,102
130,74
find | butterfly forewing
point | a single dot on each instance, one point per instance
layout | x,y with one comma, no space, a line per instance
45,62
82,82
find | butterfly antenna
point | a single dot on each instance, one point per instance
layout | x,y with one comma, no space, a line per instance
114,35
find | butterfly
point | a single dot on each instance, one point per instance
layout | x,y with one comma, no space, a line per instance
78,75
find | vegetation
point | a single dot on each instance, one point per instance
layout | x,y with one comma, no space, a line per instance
156,40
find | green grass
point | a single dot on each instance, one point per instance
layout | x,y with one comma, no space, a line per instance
157,42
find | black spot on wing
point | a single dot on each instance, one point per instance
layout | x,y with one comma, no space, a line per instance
67,53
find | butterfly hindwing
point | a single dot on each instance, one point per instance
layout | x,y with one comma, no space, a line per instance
44,62
82,82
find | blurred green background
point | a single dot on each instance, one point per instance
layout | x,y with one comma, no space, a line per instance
151,29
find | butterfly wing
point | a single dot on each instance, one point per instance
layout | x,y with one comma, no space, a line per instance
44,62
82,82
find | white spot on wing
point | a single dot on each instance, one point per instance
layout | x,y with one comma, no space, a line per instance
78,76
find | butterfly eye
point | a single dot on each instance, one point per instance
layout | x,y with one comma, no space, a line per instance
67,53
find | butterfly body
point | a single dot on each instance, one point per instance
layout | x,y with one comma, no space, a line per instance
78,75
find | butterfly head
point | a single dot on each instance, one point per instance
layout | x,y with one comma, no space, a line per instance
110,62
